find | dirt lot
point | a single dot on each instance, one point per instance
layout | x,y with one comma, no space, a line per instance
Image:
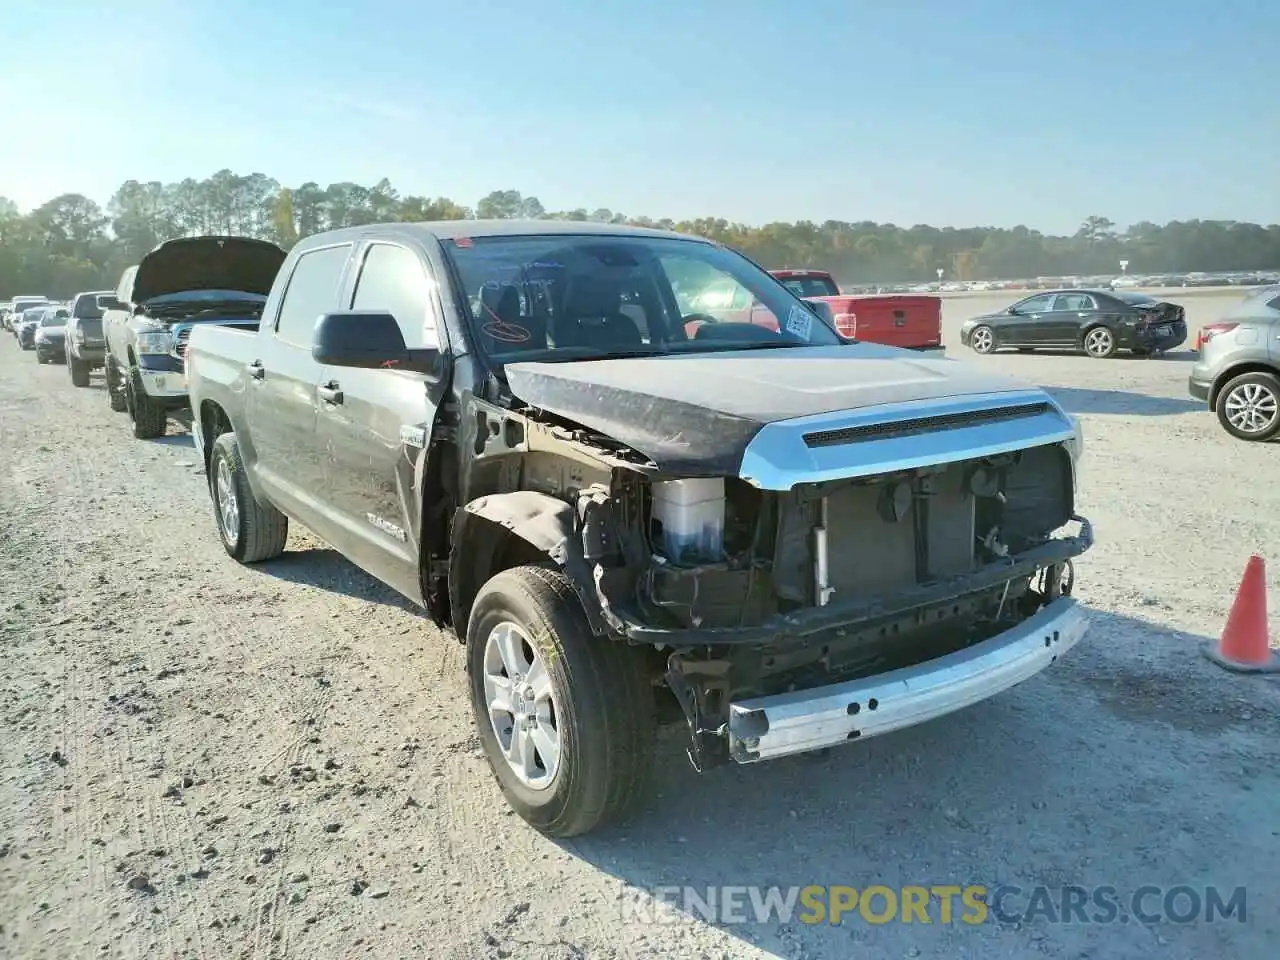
201,760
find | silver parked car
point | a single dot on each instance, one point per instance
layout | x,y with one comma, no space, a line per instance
1238,372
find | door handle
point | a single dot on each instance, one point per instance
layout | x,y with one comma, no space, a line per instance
256,370
330,392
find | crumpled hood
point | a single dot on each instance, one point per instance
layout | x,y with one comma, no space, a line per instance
207,263
696,413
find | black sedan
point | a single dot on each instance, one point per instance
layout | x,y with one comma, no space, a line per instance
1099,322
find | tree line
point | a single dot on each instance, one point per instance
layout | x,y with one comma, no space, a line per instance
71,243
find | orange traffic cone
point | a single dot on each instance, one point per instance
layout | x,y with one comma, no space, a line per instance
1244,647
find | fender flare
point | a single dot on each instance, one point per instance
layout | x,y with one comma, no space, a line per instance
543,521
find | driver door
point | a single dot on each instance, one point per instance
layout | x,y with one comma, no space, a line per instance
1025,326
374,425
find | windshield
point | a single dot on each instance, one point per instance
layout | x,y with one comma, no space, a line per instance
811,286
51,319
87,307
565,297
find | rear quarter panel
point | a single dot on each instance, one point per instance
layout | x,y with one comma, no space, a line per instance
216,360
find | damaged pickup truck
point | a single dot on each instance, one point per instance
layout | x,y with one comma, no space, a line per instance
780,538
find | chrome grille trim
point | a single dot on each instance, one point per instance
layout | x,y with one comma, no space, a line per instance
887,437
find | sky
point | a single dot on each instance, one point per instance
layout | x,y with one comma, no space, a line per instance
912,111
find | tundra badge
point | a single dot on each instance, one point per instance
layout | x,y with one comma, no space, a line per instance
386,526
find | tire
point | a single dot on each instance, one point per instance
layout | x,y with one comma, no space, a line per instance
79,371
41,359
601,707
149,418
1099,343
115,396
1248,407
250,531
983,340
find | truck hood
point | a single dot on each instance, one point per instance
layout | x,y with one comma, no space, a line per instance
207,263
696,413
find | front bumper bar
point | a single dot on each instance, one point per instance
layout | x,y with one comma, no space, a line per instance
763,728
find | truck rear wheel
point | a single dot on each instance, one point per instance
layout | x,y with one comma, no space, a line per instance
149,418
250,531
79,371
566,718
115,395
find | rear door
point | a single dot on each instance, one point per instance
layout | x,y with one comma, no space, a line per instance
286,455
375,424
1071,313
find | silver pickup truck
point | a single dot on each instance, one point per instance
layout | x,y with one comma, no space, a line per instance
781,538
179,285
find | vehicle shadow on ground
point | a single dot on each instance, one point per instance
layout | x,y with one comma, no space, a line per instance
1080,400
175,440
1003,792
1177,356
326,569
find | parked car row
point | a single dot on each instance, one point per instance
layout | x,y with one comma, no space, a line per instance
64,333
1152,281
1237,372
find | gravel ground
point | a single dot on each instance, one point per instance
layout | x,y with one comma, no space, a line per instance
202,760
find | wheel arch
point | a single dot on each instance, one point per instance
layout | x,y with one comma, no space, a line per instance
504,530
1238,370
212,421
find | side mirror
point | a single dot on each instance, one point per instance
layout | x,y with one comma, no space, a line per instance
110,303
368,339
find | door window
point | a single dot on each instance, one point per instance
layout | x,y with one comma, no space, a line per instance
1074,302
312,292
392,280
1033,305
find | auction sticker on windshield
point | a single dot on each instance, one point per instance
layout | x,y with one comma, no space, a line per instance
799,322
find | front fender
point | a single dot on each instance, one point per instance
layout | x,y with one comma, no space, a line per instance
482,527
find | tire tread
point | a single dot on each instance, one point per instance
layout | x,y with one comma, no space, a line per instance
609,676
264,530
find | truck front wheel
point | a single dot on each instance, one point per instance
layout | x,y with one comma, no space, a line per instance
79,371
250,531
115,395
566,718
149,418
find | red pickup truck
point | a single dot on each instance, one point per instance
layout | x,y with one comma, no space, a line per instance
899,320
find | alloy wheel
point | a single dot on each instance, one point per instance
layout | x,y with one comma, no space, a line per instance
521,705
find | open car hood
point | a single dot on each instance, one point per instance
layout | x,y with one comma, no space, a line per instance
696,413
207,263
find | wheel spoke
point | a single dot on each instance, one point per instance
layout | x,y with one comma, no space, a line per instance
497,691
547,739
539,679
509,643
520,699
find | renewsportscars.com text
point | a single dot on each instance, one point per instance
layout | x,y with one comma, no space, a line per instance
970,904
